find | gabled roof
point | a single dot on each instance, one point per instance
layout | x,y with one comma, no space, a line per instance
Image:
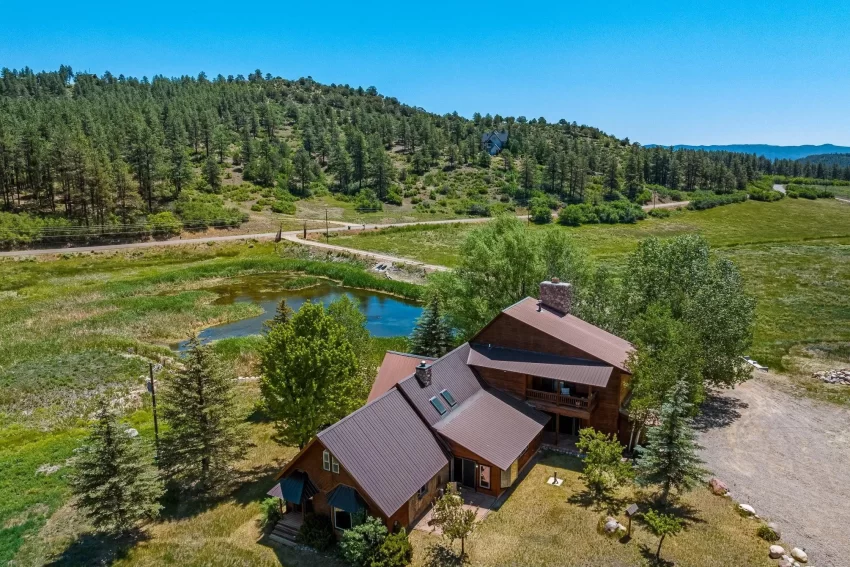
387,450
296,487
395,367
575,370
496,137
571,330
448,373
494,426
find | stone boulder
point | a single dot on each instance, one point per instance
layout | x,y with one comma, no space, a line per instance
747,509
785,563
775,528
612,527
799,555
776,551
718,487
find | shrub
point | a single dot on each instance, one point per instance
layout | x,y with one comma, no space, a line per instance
256,207
808,192
643,197
702,200
393,196
396,551
317,532
540,211
767,533
659,213
612,212
164,225
270,508
366,200
361,544
200,210
283,207
767,195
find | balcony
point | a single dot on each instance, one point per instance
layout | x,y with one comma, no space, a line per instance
586,404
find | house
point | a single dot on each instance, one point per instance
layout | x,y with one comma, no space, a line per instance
493,142
476,416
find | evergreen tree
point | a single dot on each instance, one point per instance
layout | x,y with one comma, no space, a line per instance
432,335
310,374
662,525
115,480
204,435
670,459
212,173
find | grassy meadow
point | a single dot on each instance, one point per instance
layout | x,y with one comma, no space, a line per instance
78,326
794,254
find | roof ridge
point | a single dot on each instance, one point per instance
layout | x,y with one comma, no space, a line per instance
410,355
355,412
586,361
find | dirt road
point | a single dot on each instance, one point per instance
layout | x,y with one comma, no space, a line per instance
788,457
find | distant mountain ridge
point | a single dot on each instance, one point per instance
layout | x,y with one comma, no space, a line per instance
769,151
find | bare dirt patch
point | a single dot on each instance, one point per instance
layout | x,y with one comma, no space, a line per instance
787,456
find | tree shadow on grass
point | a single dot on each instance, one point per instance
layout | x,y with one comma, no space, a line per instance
688,514
718,410
608,503
97,549
246,487
649,556
439,555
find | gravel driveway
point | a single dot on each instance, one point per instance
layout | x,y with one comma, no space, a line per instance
787,456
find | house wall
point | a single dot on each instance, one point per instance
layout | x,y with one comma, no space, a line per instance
508,332
510,382
495,472
417,506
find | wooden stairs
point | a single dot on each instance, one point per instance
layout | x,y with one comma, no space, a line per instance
286,530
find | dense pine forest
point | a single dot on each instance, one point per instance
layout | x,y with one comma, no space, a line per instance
82,150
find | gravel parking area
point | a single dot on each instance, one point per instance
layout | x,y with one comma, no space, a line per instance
788,457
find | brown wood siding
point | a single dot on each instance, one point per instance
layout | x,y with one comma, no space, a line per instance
508,332
417,506
532,449
509,382
495,475
310,461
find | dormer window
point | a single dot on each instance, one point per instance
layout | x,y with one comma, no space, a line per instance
329,462
448,397
438,405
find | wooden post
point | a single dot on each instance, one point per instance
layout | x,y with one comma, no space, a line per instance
305,230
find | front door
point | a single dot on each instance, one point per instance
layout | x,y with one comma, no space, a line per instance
468,478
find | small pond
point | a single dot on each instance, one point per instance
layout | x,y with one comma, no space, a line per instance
386,315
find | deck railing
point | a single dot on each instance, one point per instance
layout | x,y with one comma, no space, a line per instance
576,402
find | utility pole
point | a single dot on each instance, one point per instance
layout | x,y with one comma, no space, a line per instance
152,390
305,231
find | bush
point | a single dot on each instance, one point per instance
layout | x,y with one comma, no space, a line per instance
659,213
613,212
317,532
766,533
270,508
17,229
393,196
283,207
539,210
396,551
808,192
643,197
367,201
200,210
769,195
164,225
360,545
702,200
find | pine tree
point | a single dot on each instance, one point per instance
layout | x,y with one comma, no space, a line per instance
116,482
432,335
204,436
212,173
670,459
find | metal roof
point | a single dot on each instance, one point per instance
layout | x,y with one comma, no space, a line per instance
494,426
395,366
575,370
346,498
296,488
570,329
387,450
450,373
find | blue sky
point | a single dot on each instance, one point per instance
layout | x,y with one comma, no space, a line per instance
657,72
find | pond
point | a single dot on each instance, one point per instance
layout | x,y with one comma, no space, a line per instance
386,315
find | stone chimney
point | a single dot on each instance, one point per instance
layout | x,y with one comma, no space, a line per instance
556,295
423,374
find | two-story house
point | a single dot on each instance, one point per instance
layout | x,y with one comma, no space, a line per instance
475,416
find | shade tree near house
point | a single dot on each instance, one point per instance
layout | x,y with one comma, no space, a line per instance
310,374
204,434
455,521
670,459
662,525
115,480
604,468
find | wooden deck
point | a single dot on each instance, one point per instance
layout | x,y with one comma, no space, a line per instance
553,398
286,529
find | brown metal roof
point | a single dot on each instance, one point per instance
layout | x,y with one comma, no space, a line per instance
450,373
387,449
576,370
396,366
570,329
494,426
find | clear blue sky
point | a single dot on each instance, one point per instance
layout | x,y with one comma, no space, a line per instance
673,72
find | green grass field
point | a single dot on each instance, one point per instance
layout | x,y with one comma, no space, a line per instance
794,254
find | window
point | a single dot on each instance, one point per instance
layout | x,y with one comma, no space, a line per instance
448,397
438,405
342,519
334,465
423,491
483,476
326,460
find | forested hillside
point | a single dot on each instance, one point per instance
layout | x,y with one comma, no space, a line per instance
81,150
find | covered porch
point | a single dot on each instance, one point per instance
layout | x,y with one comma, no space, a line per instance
296,493
481,504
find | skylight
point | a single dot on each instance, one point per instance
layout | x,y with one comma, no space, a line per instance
438,405
448,397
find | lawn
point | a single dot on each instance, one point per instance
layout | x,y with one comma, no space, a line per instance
77,326
543,525
794,254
